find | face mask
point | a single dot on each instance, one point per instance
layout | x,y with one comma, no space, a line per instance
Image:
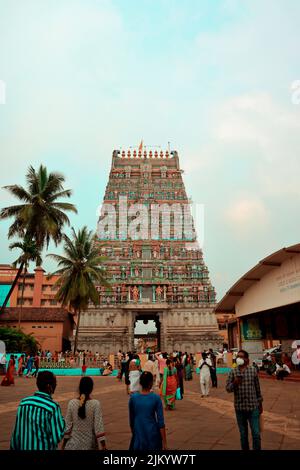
240,361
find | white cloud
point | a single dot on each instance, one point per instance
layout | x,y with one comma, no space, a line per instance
246,217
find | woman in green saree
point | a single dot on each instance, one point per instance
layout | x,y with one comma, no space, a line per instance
169,385
188,369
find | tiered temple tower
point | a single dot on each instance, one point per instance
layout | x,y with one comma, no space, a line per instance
154,275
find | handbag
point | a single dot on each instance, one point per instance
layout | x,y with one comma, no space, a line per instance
178,394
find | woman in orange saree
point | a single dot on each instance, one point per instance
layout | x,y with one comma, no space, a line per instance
8,379
169,385
20,365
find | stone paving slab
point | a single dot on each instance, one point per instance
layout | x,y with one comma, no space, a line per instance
197,423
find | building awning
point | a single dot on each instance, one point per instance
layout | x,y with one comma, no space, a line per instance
228,302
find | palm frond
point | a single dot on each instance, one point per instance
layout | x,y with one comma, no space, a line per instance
12,211
67,206
19,192
59,194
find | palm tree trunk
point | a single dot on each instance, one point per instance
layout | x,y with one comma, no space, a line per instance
12,287
22,296
76,333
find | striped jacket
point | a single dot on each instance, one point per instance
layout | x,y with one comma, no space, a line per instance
39,424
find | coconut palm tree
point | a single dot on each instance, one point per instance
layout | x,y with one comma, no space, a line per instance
30,252
42,216
79,270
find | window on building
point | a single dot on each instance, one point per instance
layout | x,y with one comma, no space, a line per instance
53,302
147,273
146,253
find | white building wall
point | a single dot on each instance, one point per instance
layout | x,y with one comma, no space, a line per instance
279,287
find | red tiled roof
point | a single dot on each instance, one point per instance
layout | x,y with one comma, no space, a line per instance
36,314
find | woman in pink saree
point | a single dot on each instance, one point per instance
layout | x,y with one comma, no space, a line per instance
8,379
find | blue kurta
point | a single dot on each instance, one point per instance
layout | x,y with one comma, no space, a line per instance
146,419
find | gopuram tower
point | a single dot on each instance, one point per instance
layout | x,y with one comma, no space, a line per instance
153,262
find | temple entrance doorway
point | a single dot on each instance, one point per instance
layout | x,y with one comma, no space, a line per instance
146,332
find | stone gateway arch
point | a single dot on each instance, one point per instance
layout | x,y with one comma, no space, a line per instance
153,262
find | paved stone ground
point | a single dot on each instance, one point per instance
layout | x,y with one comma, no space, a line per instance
207,423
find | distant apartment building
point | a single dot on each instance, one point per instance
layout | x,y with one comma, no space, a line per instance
38,312
39,291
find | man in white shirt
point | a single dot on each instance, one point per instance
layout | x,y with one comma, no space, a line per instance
225,356
282,370
149,366
204,365
3,364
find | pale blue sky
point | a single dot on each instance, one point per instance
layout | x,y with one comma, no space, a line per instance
212,77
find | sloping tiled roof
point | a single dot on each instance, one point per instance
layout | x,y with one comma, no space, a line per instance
36,314
227,304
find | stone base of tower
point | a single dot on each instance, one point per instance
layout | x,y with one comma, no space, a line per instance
182,328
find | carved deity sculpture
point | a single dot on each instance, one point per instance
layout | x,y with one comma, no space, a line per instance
158,292
135,294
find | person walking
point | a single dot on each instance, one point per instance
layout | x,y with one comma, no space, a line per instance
128,357
188,368
213,369
120,356
20,365
134,374
84,421
156,382
29,366
179,367
123,367
225,352
8,379
36,363
244,383
205,365
169,385
3,364
39,422
149,366
84,366
162,358
146,418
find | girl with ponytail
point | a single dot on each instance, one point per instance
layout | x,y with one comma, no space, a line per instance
84,421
